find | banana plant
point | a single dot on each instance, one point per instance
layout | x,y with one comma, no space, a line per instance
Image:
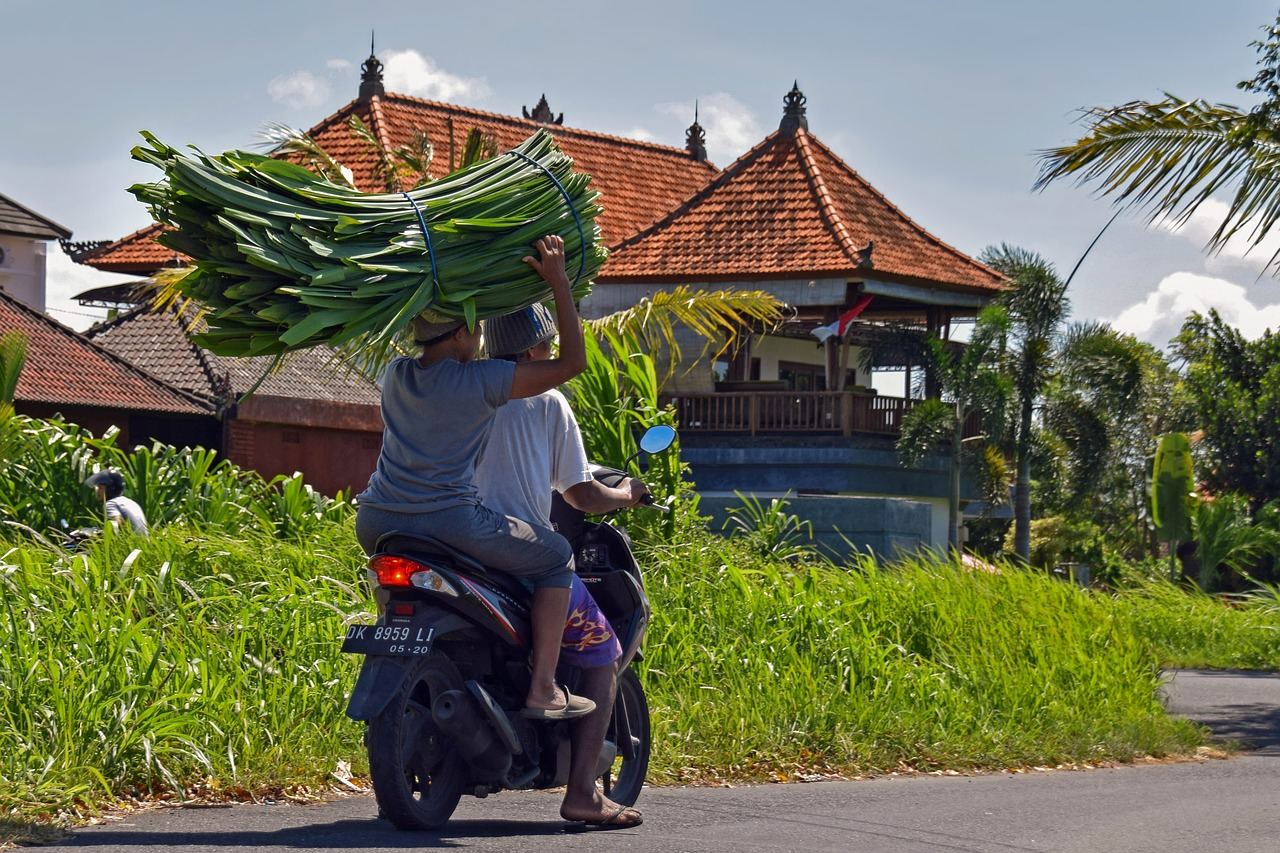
1172,494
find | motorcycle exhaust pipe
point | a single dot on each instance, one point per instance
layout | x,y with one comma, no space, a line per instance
458,717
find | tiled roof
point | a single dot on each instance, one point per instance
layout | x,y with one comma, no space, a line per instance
638,181
787,208
24,222
157,342
64,368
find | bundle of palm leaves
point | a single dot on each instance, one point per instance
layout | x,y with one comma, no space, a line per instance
284,259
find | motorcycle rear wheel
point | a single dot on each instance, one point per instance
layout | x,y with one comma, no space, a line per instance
417,773
624,781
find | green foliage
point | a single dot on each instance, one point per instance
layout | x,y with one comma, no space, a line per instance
615,400
204,660
208,661
972,384
1227,538
1173,485
770,530
41,486
754,664
13,355
1056,540
1232,386
1189,628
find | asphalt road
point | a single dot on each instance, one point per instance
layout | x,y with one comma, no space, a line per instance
1212,805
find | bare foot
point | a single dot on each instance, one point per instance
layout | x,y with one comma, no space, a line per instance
599,810
545,699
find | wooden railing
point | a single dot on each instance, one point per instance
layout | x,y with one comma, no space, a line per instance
841,412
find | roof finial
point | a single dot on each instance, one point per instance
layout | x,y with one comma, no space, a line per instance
542,113
371,75
695,138
793,117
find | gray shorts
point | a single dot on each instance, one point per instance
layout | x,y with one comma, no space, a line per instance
534,554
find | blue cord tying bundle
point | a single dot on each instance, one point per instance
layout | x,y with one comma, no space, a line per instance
582,234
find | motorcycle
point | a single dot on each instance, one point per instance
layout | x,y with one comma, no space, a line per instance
446,670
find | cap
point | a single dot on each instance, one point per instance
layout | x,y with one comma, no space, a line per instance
512,334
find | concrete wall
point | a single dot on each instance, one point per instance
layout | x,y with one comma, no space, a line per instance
863,467
22,272
843,525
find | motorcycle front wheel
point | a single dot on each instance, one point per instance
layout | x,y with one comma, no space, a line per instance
624,780
416,770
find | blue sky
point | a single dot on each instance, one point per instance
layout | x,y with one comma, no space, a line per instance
941,105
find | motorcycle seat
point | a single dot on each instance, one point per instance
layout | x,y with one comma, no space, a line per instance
428,548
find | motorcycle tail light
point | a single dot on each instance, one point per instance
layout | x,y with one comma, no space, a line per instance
402,609
393,571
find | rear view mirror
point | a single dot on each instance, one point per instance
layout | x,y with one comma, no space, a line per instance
657,439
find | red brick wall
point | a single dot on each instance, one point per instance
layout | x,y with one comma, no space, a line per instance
329,459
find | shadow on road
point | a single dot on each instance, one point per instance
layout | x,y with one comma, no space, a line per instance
1255,726
336,835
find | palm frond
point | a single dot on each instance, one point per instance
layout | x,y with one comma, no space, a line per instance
416,157
720,317
1103,364
480,145
284,139
924,428
1168,157
13,355
994,476
386,167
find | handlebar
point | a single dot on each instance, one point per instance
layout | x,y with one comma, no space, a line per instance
649,502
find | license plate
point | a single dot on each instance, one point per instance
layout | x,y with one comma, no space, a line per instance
392,640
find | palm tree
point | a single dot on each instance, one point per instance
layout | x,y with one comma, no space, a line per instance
1172,155
1038,307
1109,401
972,383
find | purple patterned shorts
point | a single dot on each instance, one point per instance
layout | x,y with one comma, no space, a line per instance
589,640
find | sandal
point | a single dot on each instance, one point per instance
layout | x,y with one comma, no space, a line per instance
574,706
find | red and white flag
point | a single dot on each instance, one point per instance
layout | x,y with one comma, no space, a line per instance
839,327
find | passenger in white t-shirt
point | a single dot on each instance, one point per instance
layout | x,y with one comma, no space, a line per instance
535,446
110,488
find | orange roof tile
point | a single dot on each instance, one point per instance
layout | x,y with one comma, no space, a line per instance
638,181
65,368
788,208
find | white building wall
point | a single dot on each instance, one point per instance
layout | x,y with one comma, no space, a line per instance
771,350
22,272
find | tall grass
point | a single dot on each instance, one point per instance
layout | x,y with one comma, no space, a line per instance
1188,628
754,665
176,661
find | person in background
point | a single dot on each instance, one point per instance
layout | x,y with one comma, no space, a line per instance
110,488
535,446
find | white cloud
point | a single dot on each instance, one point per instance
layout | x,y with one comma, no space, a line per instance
731,126
641,133
411,73
64,278
339,64
299,90
1205,221
1159,317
